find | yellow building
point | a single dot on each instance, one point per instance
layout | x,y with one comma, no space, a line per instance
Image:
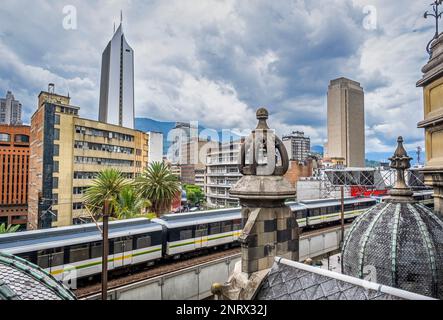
67,153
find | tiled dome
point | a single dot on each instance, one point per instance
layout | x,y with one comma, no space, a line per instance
22,280
399,242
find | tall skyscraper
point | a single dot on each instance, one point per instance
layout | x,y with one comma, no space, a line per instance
346,122
10,110
117,82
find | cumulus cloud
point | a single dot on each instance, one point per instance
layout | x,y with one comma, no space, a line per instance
216,61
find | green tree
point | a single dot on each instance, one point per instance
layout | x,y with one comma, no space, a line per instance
159,186
107,186
194,194
8,229
130,204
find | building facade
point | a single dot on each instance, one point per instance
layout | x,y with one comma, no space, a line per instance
117,82
10,110
346,122
14,169
222,173
155,149
67,153
297,145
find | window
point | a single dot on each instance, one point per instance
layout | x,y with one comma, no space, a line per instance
143,242
122,245
226,226
50,258
214,228
56,150
56,166
56,134
57,119
79,253
201,231
77,206
237,225
4,137
55,183
96,249
21,138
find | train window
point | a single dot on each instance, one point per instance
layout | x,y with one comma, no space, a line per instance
201,231
226,226
156,238
28,256
324,210
214,228
96,250
79,253
143,242
185,234
301,214
315,212
122,245
50,258
237,225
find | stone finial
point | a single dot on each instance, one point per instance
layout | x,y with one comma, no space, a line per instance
400,161
259,151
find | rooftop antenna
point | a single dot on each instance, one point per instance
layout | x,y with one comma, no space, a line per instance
114,26
121,16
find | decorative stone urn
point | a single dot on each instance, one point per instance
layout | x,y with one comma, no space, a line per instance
270,227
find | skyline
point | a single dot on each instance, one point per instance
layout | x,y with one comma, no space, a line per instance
232,59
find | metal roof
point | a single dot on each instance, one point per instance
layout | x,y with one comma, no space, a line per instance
22,280
290,280
187,219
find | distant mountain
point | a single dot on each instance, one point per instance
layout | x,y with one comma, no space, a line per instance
317,149
384,156
147,124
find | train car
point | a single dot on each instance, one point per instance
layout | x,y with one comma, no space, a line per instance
60,251
195,231
329,210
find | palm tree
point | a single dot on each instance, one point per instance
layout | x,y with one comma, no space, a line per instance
8,229
107,186
159,186
129,204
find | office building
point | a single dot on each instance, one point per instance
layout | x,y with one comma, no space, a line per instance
14,168
346,123
155,149
117,82
67,153
10,110
297,145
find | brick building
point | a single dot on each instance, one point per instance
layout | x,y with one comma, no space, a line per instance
14,167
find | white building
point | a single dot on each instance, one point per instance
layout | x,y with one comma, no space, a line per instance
222,174
117,82
155,148
10,110
297,145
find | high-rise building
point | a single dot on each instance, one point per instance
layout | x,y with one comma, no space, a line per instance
67,153
117,82
10,110
222,174
346,123
155,148
297,145
14,168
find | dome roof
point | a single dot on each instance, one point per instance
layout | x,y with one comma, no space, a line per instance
22,280
399,243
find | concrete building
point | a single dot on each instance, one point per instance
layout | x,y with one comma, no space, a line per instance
222,173
14,168
432,84
10,110
346,122
117,82
67,153
297,145
155,149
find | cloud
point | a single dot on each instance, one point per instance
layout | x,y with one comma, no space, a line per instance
216,61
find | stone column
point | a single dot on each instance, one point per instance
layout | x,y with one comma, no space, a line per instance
270,227
432,84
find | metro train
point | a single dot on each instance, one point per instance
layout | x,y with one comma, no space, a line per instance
75,251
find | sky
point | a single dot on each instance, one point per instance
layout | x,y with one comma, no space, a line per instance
217,61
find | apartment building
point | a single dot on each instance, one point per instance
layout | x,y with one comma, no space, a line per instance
67,153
